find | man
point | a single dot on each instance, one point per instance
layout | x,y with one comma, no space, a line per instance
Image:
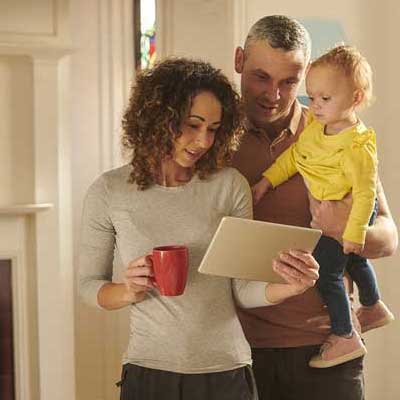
283,337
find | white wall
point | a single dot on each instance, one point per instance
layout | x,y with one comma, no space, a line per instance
16,116
195,28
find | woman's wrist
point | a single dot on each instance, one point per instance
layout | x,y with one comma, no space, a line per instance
131,297
278,292
113,296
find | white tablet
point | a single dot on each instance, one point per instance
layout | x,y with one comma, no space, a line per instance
243,248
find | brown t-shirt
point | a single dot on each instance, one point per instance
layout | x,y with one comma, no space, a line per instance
301,320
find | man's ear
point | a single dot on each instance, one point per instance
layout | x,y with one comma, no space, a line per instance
239,60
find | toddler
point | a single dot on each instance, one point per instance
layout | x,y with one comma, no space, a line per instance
336,155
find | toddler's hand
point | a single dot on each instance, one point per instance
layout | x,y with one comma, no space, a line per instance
259,189
351,247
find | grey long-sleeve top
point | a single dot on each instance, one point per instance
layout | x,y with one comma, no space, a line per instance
198,331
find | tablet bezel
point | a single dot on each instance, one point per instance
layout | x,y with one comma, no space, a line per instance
239,243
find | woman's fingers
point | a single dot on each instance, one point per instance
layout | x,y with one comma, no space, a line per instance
298,269
139,274
141,262
140,270
140,281
303,262
288,273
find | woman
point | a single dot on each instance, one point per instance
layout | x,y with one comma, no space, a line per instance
181,126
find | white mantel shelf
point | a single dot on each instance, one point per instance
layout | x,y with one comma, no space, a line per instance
24,209
34,50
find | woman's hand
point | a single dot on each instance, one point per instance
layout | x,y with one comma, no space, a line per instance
138,279
137,282
298,269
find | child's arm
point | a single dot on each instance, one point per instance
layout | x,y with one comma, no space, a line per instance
360,166
260,189
280,171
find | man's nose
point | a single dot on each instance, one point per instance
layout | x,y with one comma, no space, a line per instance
272,91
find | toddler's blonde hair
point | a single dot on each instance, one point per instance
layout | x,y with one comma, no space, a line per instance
354,65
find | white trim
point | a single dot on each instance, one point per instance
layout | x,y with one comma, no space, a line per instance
50,33
239,22
34,50
24,209
105,105
239,31
55,36
52,231
116,69
128,62
164,28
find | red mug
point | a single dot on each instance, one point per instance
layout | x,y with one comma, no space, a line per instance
170,265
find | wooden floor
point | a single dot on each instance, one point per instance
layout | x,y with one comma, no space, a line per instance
6,333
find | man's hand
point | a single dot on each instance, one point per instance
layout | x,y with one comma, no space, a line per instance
330,216
351,247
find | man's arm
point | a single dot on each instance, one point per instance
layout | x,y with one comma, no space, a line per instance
331,218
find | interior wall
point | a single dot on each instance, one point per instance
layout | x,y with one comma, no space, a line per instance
16,116
197,28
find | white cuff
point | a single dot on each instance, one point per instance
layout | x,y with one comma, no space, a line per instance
250,294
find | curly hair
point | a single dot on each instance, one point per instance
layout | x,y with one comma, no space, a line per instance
159,103
353,64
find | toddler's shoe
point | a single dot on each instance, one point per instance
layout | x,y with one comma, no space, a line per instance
338,350
374,316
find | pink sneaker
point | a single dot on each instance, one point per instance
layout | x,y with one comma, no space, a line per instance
374,316
338,350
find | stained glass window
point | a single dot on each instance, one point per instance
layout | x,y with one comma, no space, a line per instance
145,33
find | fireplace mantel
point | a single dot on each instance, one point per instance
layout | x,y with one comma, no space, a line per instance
35,216
24,209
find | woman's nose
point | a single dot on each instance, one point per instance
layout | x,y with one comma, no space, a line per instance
203,139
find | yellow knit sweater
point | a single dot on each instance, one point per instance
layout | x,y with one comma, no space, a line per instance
332,166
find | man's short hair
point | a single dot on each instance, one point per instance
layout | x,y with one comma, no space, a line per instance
281,32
